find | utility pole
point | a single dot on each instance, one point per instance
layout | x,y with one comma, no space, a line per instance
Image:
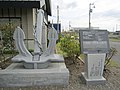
116,27
52,23
69,26
90,11
57,18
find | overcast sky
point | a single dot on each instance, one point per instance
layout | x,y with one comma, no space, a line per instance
105,15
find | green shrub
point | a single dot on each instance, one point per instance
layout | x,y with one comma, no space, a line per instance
9,52
70,46
7,36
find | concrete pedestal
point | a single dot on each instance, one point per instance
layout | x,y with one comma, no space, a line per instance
88,81
16,76
94,65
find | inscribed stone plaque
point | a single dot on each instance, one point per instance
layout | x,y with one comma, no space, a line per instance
94,41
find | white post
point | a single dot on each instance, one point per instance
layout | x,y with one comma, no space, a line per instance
57,19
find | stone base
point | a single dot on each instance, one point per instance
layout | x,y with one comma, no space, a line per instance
16,76
42,65
36,65
93,81
56,58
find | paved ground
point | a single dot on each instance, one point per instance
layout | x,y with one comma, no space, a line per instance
117,46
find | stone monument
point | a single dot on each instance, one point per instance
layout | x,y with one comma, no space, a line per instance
95,45
41,68
40,59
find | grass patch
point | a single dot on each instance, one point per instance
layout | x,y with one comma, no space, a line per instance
82,56
114,40
113,63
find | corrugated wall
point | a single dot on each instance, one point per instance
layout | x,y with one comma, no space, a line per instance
26,21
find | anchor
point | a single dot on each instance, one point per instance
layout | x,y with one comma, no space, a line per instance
40,59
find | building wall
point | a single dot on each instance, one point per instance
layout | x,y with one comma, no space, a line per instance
25,17
26,20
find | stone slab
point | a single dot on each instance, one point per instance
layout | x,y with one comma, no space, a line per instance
87,81
38,64
56,58
16,76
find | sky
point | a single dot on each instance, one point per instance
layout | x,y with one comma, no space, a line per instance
105,15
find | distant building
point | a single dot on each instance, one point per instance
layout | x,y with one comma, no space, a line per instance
57,27
23,13
76,29
116,33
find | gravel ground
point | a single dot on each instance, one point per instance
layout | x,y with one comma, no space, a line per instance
75,83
